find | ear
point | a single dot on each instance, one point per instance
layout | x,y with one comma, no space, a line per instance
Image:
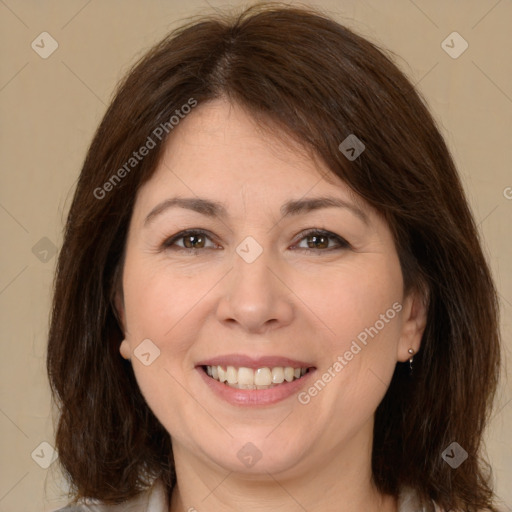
414,320
125,350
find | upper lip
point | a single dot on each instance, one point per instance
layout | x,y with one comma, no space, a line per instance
239,360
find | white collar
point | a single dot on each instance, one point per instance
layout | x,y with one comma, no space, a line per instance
155,500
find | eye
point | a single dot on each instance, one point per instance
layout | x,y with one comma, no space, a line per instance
192,239
320,239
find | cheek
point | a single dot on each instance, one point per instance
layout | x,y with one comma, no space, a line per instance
157,300
158,308
360,312
353,300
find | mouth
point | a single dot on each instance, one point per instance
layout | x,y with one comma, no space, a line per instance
242,380
254,378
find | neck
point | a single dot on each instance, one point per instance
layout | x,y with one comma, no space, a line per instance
340,482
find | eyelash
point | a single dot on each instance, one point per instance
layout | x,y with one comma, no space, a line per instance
342,243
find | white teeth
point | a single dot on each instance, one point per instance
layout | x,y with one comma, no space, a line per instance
232,375
278,375
222,374
246,377
288,374
261,378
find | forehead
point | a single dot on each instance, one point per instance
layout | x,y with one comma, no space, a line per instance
225,133
221,151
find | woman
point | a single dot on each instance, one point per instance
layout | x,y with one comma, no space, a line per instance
271,293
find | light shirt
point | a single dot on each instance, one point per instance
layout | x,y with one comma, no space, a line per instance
155,500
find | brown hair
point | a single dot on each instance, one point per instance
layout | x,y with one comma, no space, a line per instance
317,81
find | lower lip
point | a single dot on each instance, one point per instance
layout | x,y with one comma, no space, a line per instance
254,397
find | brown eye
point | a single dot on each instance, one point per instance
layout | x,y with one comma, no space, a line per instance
318,242
194,241
320,239
188,240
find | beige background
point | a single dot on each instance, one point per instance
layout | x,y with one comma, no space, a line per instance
51,107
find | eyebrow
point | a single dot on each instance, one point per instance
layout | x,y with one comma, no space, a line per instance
215,209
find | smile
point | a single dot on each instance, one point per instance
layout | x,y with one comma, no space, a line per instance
249,378
243,380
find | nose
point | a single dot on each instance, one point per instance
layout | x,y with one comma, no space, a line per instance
255,296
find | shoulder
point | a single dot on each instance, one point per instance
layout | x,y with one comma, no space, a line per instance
408,501
84,508
70,508
73,508
152,500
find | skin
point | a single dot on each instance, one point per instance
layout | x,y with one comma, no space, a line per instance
288,302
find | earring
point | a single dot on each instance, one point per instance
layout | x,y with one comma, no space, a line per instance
411,352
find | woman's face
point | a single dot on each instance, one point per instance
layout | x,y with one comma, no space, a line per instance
257,287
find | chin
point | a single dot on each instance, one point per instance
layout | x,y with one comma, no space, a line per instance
258,455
